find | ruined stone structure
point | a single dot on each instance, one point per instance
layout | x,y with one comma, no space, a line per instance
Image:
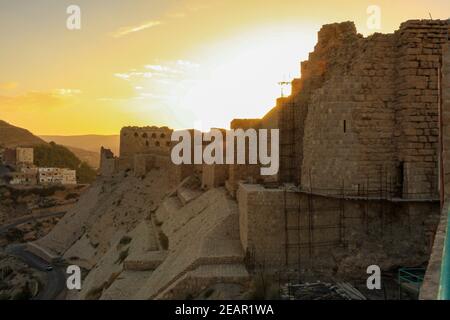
108,163
134,140
251,172
445,118
431,287
358,149
139,147
364,113
214,175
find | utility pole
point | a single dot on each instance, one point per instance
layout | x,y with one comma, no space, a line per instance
282,85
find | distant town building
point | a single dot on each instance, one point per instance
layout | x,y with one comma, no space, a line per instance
27,168
9,157
21,178
24,156
57,176
26,173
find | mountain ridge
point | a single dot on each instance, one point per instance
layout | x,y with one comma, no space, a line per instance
12,137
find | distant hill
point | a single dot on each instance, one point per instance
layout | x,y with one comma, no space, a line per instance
90,157
12,136
90,142
51,154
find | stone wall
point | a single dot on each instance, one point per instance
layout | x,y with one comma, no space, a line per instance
419,50
108,163
261,225
286,228
251,172
431,284
364,112
214,175
135,140
143,163
445,117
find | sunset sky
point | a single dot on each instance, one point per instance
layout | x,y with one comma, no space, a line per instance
164,62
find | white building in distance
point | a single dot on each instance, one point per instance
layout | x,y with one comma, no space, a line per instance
57,176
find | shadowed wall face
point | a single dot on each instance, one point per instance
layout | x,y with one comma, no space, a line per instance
446,117
365,112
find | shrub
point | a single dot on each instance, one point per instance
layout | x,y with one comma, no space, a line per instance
163,240
122,256
263,288
53,155
14,234
94,293
125,240
4,296
71,196
23,294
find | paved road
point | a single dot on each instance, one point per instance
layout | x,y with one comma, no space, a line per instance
55,286
26,219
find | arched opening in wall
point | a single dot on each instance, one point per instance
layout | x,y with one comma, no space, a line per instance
157,143
153,135
147,144
168,143
344,126
162,135
400,180
136,135
144,135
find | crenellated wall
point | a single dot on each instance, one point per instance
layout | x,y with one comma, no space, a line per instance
134,140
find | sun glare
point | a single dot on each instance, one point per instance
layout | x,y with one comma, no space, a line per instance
236,77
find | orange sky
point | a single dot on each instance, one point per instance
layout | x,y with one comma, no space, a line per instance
172,62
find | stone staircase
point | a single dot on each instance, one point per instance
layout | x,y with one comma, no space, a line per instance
194,281
148,261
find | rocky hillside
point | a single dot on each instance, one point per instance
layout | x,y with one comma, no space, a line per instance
90,157
138,239
90,142
51,154
12,136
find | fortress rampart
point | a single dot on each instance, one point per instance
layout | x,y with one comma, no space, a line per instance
359,152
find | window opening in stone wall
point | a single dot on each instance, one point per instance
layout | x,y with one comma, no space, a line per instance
345,126
401,179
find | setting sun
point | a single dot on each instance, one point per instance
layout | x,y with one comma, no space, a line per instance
174,63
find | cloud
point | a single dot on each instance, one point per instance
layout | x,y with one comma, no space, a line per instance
67,92
38,99
8,85
178,69
161,80
123,31
128,76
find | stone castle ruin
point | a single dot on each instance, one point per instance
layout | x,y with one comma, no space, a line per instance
361,179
